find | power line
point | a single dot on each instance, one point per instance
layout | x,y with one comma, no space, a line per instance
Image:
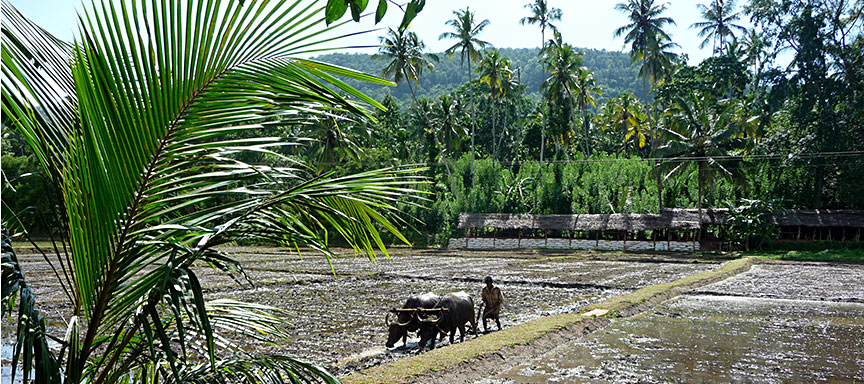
743,158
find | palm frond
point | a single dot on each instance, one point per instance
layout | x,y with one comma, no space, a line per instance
142,122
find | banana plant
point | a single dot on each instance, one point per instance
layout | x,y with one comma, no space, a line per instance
140,124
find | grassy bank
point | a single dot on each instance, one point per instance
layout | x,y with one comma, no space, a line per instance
836,255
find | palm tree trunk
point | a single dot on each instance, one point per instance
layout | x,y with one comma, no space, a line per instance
494,118
699,178
501,136
413,95
586,128
654,135
645,83
543,113
572,121
447,141
473,114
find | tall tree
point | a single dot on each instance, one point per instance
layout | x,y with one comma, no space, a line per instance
465,32
825,95
754,46
624,113
703,131
720,17
494,70
647,39
449,129
447,116
586,89
563,64
139,133
645,34
543,16
407,57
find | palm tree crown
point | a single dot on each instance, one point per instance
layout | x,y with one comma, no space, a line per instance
465,32
586,89
407,57
648,41
624,113
703,131
563,63
142,135
720,17
494,70
541,14
645,29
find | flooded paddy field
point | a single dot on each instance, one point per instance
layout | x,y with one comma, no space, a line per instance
777,323
337,315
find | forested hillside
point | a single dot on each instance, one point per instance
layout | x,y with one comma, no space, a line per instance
612,70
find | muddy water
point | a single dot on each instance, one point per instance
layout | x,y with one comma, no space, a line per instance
837,282
337,320
774,324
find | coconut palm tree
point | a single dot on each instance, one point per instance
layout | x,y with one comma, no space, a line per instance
625,114
648,42
543,16
586,89
563,64
333,140
448,126
494,70
644,33
447,118
140,125
465,32
720,17
407,57
659,63
704,132
754,46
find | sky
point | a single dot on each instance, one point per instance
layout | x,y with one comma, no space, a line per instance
585,23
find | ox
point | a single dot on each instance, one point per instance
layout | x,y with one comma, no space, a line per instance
406,317
451,313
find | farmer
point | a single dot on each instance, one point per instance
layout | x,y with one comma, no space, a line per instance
492,301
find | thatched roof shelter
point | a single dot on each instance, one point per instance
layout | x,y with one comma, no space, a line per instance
668,219
675,219
820,218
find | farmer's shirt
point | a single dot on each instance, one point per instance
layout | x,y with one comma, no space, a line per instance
493,300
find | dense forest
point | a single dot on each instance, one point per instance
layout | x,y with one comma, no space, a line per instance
561,129
613,72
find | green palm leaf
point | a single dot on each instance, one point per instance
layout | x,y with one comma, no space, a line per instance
140,124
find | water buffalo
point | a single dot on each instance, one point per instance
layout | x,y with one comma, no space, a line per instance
406,318
454,310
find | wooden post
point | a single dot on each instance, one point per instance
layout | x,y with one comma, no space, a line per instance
654,238
625,239
698,234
